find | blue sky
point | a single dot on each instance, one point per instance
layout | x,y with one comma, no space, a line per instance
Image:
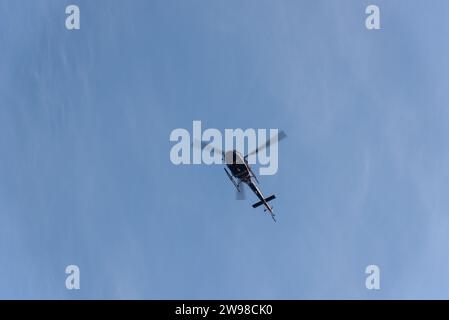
85,174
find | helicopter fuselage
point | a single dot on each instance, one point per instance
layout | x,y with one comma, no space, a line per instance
241,170
238,166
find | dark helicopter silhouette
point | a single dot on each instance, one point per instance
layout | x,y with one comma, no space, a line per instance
241,172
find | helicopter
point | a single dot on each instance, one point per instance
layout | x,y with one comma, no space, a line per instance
240,172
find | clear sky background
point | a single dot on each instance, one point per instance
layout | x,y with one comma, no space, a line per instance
85,174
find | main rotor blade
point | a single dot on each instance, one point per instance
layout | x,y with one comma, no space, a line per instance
206,146
240,195
281,135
